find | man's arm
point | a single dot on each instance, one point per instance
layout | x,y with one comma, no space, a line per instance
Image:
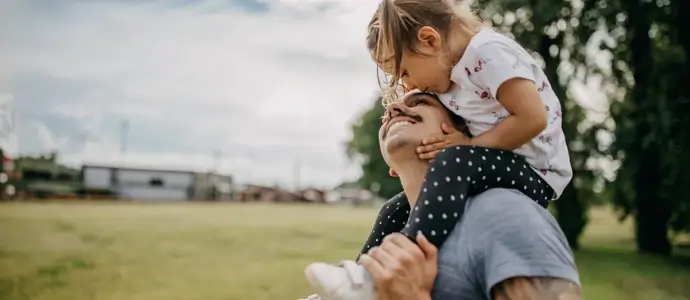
536,288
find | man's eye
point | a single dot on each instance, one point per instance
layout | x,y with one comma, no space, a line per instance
415,102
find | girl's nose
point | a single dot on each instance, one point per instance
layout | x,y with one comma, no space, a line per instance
408,86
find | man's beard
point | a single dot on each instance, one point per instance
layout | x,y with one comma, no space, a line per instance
401,145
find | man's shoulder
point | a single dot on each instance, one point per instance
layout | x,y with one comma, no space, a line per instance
502,216
511,235
507,205
502,234
508,217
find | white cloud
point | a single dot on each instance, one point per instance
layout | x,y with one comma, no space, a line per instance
8,136
266,88
46,138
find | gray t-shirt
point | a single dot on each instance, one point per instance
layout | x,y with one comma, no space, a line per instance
502,234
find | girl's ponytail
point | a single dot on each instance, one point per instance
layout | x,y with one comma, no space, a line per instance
464,14
391,27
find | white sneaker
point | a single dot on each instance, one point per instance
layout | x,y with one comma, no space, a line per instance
312,297
349,281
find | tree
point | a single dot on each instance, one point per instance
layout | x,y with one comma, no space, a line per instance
364,147
548,29
647,82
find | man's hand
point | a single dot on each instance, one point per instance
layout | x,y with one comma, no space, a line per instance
536,288
450,137
402,270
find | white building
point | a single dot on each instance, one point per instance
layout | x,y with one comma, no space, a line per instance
140,184
215,187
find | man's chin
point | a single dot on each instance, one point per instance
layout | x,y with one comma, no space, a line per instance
400,142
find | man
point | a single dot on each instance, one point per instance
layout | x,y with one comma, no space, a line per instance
505,246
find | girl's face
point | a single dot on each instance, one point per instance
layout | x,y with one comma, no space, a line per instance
425,71
427,67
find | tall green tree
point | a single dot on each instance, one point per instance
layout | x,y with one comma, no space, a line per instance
647,83
681,95
364,148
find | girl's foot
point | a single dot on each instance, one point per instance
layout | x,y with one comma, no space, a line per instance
347,281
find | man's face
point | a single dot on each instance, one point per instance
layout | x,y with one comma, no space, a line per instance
408,122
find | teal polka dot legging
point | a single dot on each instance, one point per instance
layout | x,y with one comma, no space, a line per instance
455,174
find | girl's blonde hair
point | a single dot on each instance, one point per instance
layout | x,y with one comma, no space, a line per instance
393,30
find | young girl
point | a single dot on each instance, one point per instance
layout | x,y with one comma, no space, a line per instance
496,86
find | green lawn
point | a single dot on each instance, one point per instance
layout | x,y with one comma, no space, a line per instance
104,251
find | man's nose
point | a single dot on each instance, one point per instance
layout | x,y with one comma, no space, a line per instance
396,108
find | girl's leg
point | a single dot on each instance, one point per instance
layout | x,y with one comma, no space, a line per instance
391,218
460,172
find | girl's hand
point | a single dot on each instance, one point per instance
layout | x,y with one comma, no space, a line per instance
433,145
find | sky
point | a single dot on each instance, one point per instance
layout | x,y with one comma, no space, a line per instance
259,89
265,90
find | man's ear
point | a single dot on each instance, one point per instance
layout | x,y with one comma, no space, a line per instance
447,129
392,173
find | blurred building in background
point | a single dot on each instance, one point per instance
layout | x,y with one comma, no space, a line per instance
43,177
276,194
140,184
351,193
213,187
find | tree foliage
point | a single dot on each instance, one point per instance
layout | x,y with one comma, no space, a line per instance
648,77
364,148
640,54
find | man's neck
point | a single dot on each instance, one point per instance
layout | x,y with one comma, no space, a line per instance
412,178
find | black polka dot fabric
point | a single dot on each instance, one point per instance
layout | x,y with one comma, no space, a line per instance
455,174
392,218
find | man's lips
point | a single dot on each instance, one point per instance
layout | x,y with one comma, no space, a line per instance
399,119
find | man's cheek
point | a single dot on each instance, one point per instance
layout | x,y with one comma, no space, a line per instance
381,133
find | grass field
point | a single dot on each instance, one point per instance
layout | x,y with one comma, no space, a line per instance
79,251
